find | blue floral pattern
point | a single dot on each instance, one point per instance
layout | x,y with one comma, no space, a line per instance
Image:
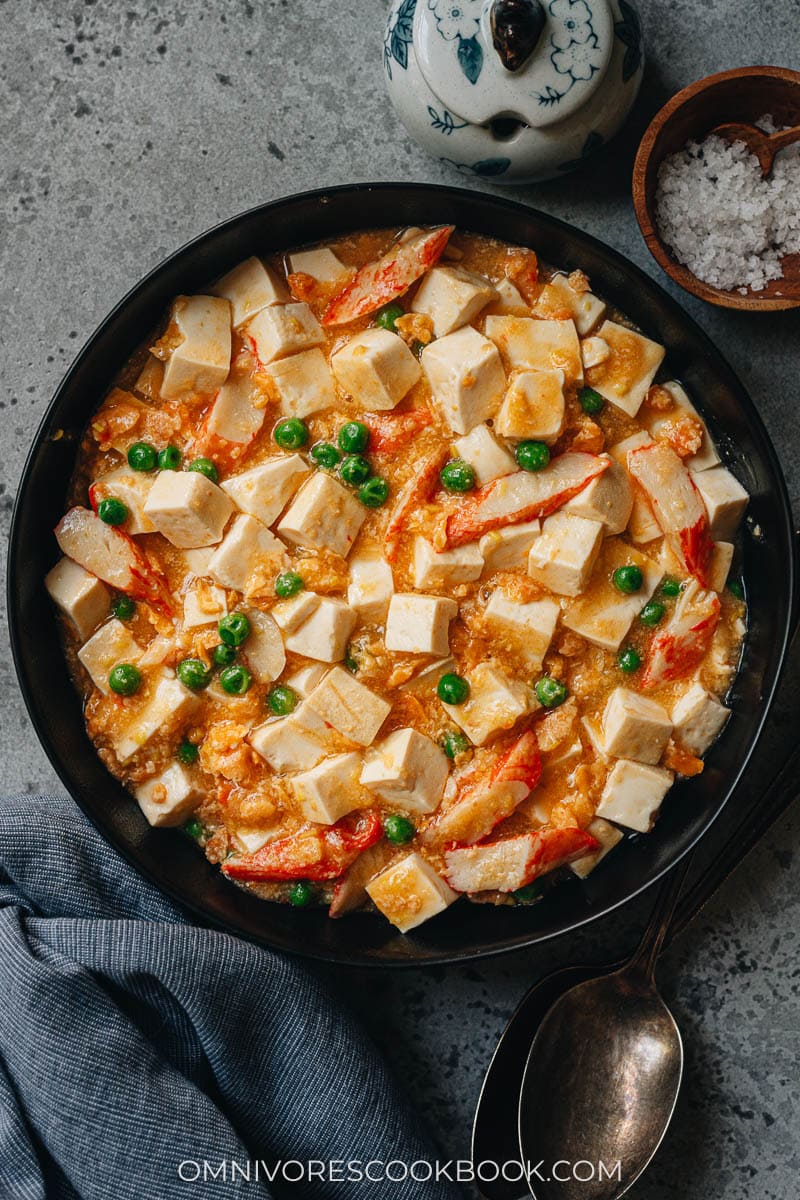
629,32
446,123
459,21
574,45
399,36
485,169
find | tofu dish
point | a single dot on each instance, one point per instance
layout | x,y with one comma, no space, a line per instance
398,570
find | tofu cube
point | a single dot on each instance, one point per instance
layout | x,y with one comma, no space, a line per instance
331,790
509,301
371,585
445,568
112,644
607,835
289,615
294,743
238,410
533,407
419,624
349,707
635,727
201,360
265,490
80,596
203,604
725,500
633,793
603,615
248,556
325,634
719,565
509,546
528,344
170,704
188,509
698,718
452,297
250,287
495,704
283,329
526,628
488,459
707,455
197,560
564,553
306,678
466,377
608,499
624,377
323,516
303,382
263,650
585,308
594,350
376,368
169,798
321,264
407,770
410,892
132,488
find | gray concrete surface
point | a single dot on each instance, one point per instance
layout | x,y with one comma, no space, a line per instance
128,128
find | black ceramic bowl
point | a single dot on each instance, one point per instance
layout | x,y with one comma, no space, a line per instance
464,931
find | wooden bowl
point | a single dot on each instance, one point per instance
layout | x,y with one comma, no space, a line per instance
744,94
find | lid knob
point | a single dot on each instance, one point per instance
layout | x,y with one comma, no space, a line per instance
516,28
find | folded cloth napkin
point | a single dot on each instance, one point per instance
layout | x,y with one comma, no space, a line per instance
136,1048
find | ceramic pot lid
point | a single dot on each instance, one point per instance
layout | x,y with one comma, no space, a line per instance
566,45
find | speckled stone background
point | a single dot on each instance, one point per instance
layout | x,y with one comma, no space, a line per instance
129,127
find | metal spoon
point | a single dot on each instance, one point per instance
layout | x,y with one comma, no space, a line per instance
764,145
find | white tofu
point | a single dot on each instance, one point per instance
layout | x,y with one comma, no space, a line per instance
604,615
330,790
488,459
376,368
707,455
594,350
466,377
495,704
294,743
290,614
719,565
200,362
203,604
263,650
607,835
250,287
427,677
237,413
452,297
247,556
169,798
283,329
625,376
410,892
197,560
725,500
303,382
325,634
509,301
371,585
527,628
509,546
419,624
251,840
306,679
533,407
323,516
633,793
586,309
445,568
80,596
110,645
642,524
349,707
564,553
132,488
698,718
526,343
321,264
265,490
188,509
608,499
407,770
169,705
635,727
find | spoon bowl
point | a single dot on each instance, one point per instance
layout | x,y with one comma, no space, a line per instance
764,146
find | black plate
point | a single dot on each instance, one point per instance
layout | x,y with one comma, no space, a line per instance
168,858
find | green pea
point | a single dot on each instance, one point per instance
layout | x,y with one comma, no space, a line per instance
142,457
651,614
550,692
170,458
398,829
590,401
457,476
125,679
627,579
454,743
235,680
223,655
353,437
193,673
194,828
374,492
525,895
234,629
671,586
282,700
532,456
123,608
736,589
112,511
301,894
387,316
187,752
355,469
324,454
291,434
204,466
629,660
287,584
452,689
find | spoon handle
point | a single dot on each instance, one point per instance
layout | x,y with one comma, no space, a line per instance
647,952
783,137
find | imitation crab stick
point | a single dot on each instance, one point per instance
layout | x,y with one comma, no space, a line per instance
380,282
676,503
315,852
684,641
112,556
515,862
415,492
390,432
